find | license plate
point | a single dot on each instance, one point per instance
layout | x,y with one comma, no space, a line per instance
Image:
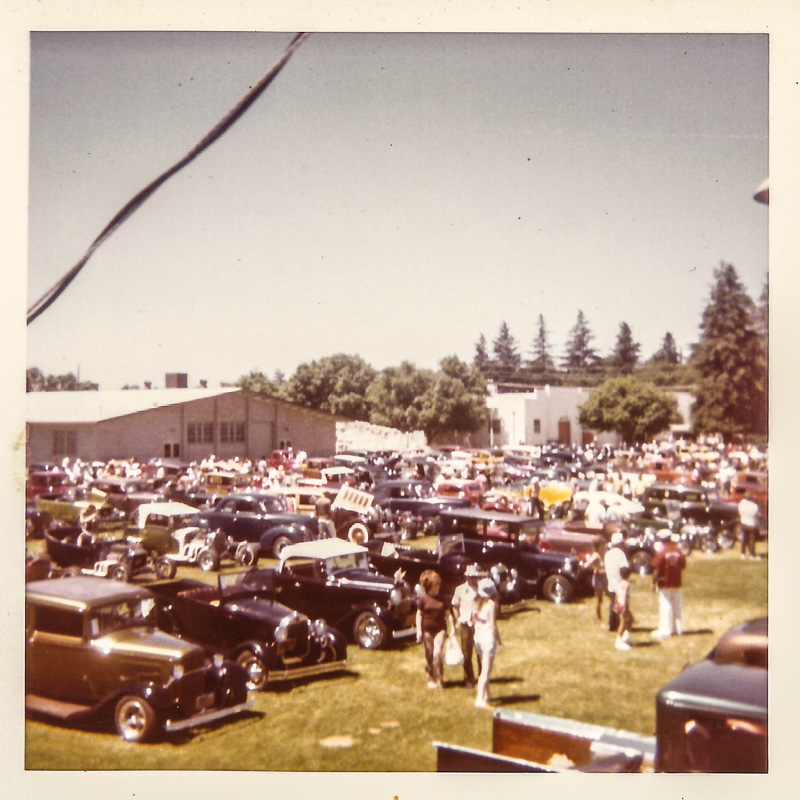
205,701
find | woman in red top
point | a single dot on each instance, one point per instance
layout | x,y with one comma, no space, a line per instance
434,618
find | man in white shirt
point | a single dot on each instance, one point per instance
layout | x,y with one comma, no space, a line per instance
614,560
750,520
462,605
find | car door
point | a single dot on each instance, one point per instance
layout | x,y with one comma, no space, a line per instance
56,661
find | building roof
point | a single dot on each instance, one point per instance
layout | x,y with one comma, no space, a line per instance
88,406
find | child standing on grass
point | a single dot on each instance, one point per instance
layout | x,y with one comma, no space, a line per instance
622,605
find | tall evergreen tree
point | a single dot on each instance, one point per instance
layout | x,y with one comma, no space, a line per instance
626,351
542,359
667,353
730,360
505,350
580,354
481,358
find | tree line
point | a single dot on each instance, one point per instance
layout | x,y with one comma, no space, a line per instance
726,370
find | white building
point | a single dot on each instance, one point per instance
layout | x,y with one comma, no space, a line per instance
550,414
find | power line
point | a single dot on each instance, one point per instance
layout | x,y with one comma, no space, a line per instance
44,302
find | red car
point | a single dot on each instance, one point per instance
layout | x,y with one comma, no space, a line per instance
54,482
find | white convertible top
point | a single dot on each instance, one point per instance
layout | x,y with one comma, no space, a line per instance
166,509
322,548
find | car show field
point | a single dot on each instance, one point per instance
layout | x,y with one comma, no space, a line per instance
377,714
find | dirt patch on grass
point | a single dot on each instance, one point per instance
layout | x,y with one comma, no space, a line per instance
338,741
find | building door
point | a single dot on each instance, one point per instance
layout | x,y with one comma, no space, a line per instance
564,432
588,438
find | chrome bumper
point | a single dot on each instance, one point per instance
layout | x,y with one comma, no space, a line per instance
405,633
208,716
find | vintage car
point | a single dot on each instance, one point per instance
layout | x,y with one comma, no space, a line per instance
697,504
712,718
459,487
93,652
259,517
492,538
332,579
416,500
241,618
126,494
80,552
67,507
221,483
170,525
449,560
52,481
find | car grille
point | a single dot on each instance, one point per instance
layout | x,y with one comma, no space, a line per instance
292,638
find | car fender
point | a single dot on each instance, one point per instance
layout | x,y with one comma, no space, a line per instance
384,614
293,532
259,648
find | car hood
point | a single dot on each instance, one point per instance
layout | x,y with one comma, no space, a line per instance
363,579
144,641
261,609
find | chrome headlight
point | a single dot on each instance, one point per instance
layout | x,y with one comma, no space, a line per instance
218,660
177,672
397,595
569,566
282,631
318,628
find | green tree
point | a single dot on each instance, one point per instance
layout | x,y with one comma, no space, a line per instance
580,354
636,410
395,397
667,353
626,351
335,384
542,359
258,383
481,359
731,363
37,381
505,350
454,402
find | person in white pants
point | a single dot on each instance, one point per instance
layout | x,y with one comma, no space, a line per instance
668,565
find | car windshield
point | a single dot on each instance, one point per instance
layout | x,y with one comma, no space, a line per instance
115,616
451,544
346,562
252,581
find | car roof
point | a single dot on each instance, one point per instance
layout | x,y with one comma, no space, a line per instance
82,591
322,548
495,516
167,509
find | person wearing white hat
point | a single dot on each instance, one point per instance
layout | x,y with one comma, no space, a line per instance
462,604
487,637
614,560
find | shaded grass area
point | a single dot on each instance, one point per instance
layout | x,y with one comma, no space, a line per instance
379,716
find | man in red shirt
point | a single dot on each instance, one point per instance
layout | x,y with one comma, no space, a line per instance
668,565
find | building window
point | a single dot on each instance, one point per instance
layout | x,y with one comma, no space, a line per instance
497,426
537,426
172,451
231,432
200,433
65,443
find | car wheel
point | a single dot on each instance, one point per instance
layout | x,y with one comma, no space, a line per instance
134,719
279,544
640,562
120,573
256,669
71,572
710,542
246,556
408,528
358,533
165,568
334,649
686,544
208,560
369,631
558,589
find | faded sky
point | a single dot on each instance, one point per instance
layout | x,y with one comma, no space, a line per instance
390,195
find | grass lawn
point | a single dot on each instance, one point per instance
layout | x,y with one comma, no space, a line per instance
379,715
